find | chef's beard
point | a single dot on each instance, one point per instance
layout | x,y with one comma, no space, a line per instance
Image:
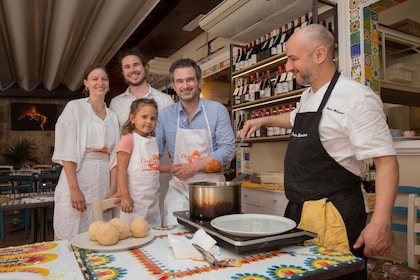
306,78
135,84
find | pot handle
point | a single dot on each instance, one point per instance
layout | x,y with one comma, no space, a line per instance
239,178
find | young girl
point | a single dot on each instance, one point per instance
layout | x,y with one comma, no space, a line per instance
138,164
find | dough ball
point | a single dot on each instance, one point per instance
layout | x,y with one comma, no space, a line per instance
93,228
139,228
213,166
122,227
107,234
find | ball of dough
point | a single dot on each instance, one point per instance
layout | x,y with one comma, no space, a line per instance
93,229
122,227
107,234
213,166
139,228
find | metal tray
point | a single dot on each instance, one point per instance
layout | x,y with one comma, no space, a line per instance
245,245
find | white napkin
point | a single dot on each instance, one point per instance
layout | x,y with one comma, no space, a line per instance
183,248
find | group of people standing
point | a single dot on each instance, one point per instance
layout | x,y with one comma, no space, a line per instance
119,151
338,125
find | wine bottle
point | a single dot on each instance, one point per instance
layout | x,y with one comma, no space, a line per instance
276,42
254,53
247,55
245,92
268,86
330,28
308,20
264,47
287,36
289,81
282,129
282,40
251,88
277,83
298,24
273,39
237,60
257,86
242,61
236,96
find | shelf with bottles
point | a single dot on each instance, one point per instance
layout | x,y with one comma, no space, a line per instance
265,133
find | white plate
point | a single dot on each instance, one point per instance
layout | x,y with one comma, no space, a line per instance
252,224
82,241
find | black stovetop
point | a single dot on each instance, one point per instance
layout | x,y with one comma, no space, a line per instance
240,244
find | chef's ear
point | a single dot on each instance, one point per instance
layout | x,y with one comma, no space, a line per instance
320,54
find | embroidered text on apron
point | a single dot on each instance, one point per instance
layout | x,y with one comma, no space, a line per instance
190,145
143,181
312,174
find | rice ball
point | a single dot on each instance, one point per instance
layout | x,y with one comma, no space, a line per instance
122,227
107,234
139,228
93,229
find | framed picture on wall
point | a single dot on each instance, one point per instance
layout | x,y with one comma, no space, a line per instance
32,116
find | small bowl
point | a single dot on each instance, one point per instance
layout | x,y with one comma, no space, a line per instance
396,132
409,133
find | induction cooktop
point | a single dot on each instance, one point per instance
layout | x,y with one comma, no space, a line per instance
243,244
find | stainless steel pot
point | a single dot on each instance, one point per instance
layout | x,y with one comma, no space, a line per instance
212,199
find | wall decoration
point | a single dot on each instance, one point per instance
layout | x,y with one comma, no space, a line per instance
31,116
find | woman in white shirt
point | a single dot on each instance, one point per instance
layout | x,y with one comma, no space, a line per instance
86,134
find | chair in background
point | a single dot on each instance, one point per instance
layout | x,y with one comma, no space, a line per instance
399,226
44,168
13,184
27,171
48,181
413,230
6,169
99,206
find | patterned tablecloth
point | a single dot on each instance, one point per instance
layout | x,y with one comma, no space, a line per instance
155,260
53,260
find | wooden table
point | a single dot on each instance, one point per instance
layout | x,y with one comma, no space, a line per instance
38,202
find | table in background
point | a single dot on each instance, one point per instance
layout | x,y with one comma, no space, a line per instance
38,202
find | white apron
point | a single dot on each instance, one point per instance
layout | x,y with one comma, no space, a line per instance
143,181
190,146
93,177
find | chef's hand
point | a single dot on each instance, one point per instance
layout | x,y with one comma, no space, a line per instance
77,199
249,127
377,240
183,171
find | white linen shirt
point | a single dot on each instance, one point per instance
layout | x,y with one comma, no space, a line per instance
121,103
73,133
353,126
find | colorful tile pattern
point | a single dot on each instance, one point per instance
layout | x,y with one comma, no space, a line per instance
364,40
